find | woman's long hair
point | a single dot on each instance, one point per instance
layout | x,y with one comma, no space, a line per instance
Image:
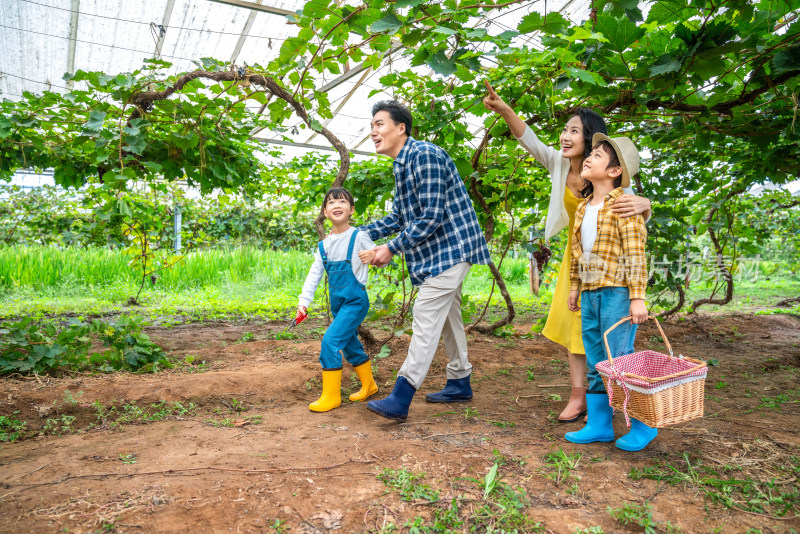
592,123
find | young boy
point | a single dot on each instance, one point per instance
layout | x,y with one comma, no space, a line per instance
610,273
347,276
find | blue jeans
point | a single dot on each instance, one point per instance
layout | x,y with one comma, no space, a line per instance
349,307
600,309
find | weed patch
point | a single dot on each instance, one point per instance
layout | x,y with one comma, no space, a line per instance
285,335
560,468
774,403
721,487
641,515
408,485
444,520
119,413
246,337
59,426
190,364
561,464
11,428
503,460
35,347
501,509
221,423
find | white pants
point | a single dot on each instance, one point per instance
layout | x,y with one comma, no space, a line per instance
437,313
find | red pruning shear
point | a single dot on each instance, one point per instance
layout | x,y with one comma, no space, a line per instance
296,321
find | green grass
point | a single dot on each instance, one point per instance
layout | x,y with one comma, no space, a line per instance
642,516
731,487
503,508
560,465
46,267
207,284
408,485
10,427
252,283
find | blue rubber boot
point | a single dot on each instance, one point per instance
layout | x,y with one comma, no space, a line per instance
638,437
395,406
598,426
455,390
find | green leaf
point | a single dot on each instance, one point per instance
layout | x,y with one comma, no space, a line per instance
152,166
123,207
708,68
579,33
95,122
444,30
124,80
68,176
665,64
582,75
315,8
477,33
259,96
490,481
131,357
787,60
389,23
135,144
625,4
440,64
185,141
134,127
292,48
5,127
620,32
464,167
400,4
667,11
552,23
411,38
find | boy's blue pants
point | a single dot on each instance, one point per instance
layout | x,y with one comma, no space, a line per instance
600,309
349,307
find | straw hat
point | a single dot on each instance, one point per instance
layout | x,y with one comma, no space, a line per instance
627,153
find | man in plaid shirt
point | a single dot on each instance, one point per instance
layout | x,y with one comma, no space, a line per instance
609,271
438,231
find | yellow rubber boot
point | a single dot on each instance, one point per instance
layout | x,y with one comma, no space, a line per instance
331,392
368,385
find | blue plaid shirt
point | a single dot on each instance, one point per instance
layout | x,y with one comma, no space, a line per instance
432,214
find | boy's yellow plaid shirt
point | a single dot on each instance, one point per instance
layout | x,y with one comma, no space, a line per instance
617,258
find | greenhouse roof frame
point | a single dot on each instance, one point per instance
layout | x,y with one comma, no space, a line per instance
116,36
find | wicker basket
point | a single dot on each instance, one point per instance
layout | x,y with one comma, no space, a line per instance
655,388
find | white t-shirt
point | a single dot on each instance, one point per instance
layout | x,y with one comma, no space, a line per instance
336,250
589,228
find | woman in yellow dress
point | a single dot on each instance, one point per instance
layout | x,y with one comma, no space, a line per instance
564,326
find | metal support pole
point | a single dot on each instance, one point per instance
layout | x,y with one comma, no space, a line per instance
177,228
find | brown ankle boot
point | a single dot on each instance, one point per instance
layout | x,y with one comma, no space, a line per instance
576,407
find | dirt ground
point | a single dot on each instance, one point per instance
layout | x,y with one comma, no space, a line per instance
297,471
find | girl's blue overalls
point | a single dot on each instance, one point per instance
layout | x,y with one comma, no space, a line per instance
349,306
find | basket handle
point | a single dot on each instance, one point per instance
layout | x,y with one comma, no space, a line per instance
700,364
661,330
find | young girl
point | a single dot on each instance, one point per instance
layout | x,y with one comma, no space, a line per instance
337,255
